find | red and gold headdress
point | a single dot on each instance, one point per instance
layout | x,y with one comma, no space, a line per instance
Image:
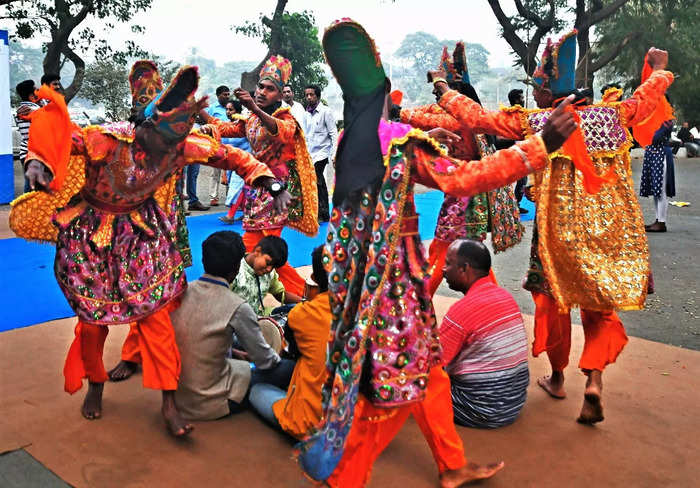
455,65
277,69
146,84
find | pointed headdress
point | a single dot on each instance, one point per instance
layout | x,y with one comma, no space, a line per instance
557,67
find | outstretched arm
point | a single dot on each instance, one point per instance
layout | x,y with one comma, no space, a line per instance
642,103
429,117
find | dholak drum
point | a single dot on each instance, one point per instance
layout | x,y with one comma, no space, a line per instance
272,332
311,289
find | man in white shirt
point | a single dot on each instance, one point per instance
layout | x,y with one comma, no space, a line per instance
321,137
296,108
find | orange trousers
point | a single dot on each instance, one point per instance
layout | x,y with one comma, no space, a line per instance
374,428
437,252
603,332
289,277
155,346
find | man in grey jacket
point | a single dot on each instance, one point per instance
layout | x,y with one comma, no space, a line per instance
211,384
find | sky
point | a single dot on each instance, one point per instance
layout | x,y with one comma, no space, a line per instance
174,27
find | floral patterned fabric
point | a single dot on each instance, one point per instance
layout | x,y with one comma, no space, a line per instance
119,253
384,336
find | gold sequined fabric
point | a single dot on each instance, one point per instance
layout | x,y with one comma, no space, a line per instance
31,213
593,247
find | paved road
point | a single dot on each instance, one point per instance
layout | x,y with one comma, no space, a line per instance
672,315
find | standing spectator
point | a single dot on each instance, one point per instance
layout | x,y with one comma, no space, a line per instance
234,194
25,90
192,171
218,110
692,145
53,80
484,342
296,108
321,136
658,176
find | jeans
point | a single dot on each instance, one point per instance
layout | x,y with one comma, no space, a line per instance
192,173
323,212
262,397
278,376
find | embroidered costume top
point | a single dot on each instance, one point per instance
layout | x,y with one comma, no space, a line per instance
470,217
117,258
591,247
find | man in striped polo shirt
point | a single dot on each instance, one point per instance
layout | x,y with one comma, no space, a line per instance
484,342
29,103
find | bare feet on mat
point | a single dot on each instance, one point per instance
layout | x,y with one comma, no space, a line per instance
592,409
123,370
176,425
471,472
92,405
553,385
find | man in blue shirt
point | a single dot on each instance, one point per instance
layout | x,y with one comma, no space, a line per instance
218,110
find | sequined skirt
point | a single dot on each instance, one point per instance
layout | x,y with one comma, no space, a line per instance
116,269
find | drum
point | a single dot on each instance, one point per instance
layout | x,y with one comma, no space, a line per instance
311,289
273,332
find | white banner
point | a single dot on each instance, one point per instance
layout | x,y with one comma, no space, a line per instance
7,193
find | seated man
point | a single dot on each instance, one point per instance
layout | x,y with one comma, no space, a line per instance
484,342
258,276
299,408
211,385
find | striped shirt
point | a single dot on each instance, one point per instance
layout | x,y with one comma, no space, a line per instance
23,126
485,353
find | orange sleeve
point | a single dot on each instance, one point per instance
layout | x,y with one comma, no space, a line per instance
429,117
286,127
507,124
465,178
200,148
642,103
235,128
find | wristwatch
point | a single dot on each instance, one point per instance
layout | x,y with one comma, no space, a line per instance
276,188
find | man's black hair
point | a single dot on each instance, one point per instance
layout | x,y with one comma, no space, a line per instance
474,253
238,106
288,85
25,89
49,77
222,253
221,89
318,269
315,88
514,95
276,248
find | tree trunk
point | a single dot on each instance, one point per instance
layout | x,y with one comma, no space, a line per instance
249,79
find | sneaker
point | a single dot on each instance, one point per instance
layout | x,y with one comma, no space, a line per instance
214,202
197,206
523,210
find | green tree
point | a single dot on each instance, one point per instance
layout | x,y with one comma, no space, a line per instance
294,36
420,52
671,25
106,82
68,41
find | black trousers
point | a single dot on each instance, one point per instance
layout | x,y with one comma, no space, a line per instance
520,189
323,212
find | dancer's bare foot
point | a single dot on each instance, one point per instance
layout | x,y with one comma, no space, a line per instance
554,384
592,409
173,420
123,370
471,472
92,405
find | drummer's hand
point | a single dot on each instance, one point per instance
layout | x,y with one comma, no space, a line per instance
37,174
281,201
238,354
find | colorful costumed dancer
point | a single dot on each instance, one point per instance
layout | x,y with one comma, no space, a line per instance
467,217
589,246
117,257
277,140
384,351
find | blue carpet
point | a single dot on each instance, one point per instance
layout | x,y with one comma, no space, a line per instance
31,295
